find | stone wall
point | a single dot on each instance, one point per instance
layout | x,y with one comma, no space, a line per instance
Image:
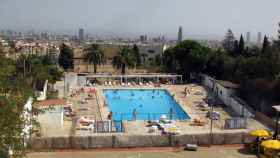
265,119
118,141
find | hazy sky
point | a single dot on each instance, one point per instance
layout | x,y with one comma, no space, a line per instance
199,18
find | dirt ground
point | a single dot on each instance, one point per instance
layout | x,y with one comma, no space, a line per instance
213,152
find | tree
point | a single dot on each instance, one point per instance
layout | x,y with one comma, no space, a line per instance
137,55
13,95
266,44
241,46
144,56
124,58
169,61
158,60
65,59
15,90
190,57
266,51
228,42
235,49
94,55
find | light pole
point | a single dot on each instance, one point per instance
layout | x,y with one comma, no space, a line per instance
64,88
211,112
277,108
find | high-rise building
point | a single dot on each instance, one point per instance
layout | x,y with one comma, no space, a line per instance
248,37
180,34
142,38
259,40
81,34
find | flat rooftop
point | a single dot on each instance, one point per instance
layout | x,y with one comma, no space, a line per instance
95,110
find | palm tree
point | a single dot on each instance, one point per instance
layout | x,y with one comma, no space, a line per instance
124,58
94,55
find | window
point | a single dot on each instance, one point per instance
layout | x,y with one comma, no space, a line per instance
151,51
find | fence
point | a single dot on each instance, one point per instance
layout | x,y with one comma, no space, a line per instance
236,123
108,126
149,116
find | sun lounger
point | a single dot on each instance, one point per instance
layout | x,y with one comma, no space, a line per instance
81,126
140,84
172,130
198,122
114,83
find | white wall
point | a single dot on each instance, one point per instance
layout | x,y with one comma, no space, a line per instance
226,95
51,118
71,79
43,94
27,115
207,81
240,109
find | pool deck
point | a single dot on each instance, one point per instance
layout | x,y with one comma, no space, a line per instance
100,112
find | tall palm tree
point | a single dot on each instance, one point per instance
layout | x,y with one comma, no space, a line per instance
125,58
94,55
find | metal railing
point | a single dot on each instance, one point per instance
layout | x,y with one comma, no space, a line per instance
98,104
236,123
149,116
108,126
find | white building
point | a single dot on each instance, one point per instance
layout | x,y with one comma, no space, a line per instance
148,52
226,91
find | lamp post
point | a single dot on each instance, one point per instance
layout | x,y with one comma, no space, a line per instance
211,112
277,108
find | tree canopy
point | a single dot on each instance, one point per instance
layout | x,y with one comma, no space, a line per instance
125,58
65,59
94,55
17,80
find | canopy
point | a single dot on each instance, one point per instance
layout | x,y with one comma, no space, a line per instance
260,133
271,144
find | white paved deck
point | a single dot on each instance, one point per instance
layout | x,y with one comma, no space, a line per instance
198,93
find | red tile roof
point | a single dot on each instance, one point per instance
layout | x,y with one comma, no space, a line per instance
51,102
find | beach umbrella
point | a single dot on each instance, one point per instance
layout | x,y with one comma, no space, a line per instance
271,144
260,133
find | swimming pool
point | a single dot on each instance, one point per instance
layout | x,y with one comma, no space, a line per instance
143,104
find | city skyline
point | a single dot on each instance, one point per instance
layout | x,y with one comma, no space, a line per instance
199,19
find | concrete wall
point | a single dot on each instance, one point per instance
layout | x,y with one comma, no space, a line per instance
89,142
223,93
265,120
71,80
227,96
240,109
51,118
208,81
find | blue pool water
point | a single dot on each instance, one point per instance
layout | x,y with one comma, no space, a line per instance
143,104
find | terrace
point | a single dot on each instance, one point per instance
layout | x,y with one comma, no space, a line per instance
91,105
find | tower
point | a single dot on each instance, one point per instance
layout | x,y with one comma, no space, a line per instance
259,40
248,38
180,34
81,34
